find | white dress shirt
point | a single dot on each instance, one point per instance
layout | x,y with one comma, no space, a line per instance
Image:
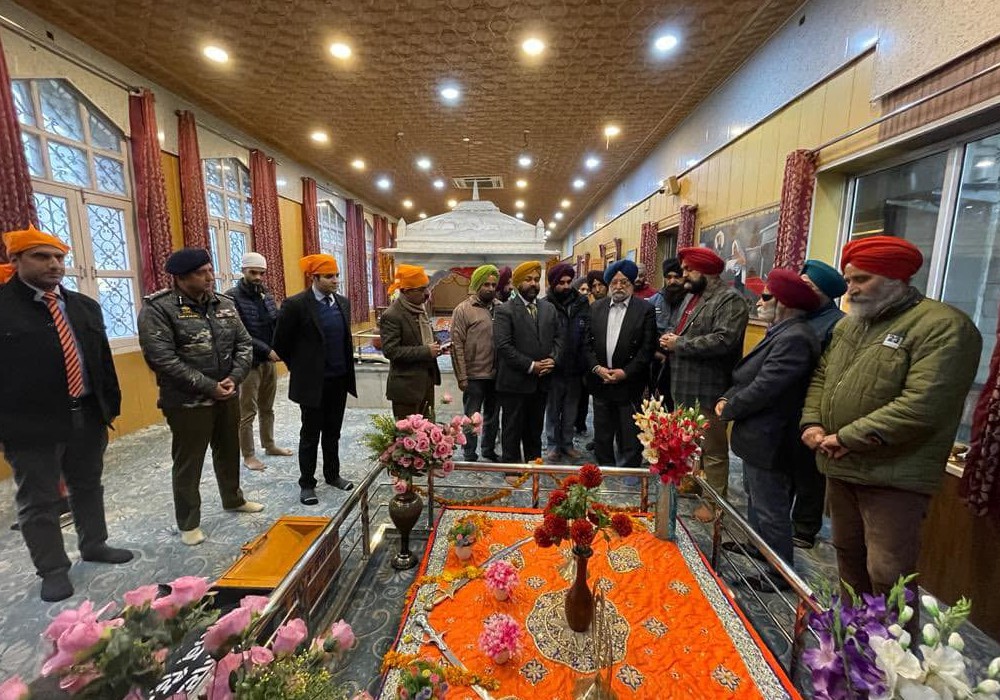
616,316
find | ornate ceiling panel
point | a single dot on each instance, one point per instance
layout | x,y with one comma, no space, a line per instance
382,104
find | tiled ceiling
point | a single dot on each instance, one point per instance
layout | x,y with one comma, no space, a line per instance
383,104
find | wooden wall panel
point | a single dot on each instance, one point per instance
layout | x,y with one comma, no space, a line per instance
172,184
290,214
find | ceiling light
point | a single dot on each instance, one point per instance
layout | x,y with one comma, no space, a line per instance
320,137
986,163
521,184
422,215
407,203
439,184
519,214
579,184
533,46
358,164
565,204
558,215
340,50
450,93
452,203
424,163
665,42
383,183
519,204
611,131
524,161
281,182
214,53
552,224
547,234
592,162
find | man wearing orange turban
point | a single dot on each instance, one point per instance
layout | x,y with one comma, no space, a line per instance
883,408
58,395
409,344
313,338
703,348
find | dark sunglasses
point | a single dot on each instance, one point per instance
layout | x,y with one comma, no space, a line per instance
766,297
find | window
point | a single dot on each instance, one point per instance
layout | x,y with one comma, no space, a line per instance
227,191
948,204
333,237
82,191
370,262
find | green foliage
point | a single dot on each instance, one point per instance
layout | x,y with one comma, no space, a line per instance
299,677
378,441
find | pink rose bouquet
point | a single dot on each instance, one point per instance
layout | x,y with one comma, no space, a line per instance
501,579
500,638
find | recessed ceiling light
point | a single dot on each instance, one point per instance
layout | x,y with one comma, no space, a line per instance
358,164
407,203
214,53
552,224
521,184
611,131
985,163
452,203
579,184
519,204
533,46
340,50
320,137
524,161
558,216
439,184
383,183
592,162
424,163
519,214
450,93
281,182
422,215
665,42
565,204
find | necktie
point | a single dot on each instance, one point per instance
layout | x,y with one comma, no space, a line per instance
326,300
533,311
74,372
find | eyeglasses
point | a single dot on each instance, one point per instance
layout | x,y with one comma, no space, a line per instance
620,283
766,297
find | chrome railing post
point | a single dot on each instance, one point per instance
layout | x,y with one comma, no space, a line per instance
366,544
430,499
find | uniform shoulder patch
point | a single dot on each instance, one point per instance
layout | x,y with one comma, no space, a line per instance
157,294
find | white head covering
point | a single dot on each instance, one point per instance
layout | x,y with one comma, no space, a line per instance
255,260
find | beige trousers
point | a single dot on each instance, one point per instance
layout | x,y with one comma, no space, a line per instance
257,398
715,455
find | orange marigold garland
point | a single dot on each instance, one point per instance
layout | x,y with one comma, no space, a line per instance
454,676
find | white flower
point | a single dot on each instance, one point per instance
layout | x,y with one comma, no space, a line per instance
896,662
946,671
930,634
956,642
896,631
908,690
906,615
988,687
930,604
993,670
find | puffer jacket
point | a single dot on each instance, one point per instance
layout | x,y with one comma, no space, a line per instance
259,314
574,324
192,348
473,354
892,388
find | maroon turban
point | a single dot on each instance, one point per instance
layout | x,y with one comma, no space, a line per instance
791,291
558,271
887,256
704,260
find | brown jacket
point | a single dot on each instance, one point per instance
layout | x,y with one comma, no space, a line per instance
412,368
473,353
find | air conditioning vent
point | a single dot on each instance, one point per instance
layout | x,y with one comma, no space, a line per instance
485,182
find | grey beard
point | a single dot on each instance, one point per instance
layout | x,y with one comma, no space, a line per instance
871,308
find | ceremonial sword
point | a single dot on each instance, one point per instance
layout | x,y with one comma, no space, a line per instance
421,621
459,584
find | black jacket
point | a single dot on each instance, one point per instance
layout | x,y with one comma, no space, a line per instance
521,340
413,370
769,389
574,317
299,342
34,400
632,353
259,314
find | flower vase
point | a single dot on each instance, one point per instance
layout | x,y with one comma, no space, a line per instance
579,598
666,512
501,658
463,553
404,511
501,594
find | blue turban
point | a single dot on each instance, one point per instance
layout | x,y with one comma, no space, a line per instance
827,278
626,267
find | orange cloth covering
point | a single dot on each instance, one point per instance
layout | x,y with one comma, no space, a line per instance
409,277
319,264
31,237
672,619
6,272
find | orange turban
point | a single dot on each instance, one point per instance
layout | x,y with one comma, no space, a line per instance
703,260
887,256
6,272
409,277
523,270
319,264
19,241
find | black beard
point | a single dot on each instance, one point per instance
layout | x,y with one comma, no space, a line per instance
503,296
486,297
529,293
696,287
563,296
674,294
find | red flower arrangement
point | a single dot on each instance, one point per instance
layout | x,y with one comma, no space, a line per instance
574,513
671,441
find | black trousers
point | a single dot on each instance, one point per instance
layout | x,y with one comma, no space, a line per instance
37,470
809,492
322,426
613,423
522,421
582,407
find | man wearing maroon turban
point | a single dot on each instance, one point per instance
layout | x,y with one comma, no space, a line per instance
703,348
883,408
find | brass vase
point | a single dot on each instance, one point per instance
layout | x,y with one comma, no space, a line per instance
579,598
404,511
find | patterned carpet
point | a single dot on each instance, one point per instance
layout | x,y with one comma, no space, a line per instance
140,517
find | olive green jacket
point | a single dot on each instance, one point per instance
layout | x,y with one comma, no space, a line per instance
893,388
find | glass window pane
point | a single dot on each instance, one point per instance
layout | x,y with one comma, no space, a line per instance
118,304
231,175
237,249
247,212
60,109
245,182
53,217
234,210
69,164
213,246
33,153
903,201
215,203
71,283
22,102
972,277
110,174
103,134
107,237
213,173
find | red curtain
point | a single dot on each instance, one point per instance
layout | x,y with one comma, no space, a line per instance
194,211
382,274
266,220
310,219
796,209
647,245
17,206
357,272
685,232
980,486
152,219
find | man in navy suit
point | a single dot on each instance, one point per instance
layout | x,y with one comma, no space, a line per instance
619,349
